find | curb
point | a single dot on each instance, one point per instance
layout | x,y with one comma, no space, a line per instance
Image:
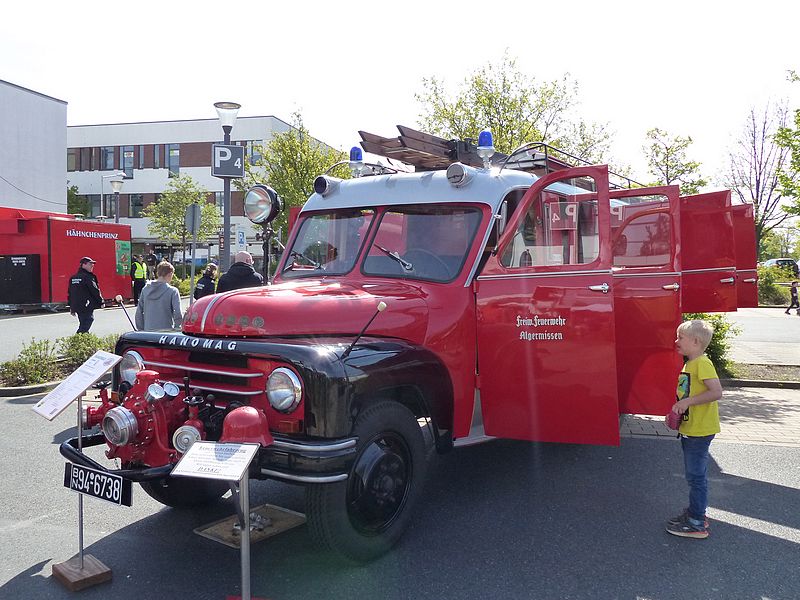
28,390
760,383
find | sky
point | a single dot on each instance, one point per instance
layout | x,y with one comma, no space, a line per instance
693,68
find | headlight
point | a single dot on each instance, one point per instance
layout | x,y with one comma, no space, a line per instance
284,390
131,363
120,426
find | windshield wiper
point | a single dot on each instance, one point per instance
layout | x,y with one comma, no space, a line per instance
392,254
313,263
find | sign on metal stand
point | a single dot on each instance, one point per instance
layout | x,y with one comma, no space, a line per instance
225,462
84,570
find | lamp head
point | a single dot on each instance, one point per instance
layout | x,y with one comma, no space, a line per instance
116,185
227,111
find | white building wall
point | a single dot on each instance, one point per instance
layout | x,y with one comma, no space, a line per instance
33,150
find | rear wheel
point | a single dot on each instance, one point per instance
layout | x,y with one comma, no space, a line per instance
185,492
362,518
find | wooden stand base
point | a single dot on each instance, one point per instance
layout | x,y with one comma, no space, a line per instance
70,574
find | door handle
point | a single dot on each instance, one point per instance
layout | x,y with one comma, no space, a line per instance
749,280
672,286
728,280
599,288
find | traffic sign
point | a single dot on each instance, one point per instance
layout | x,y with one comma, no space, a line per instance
192,219
227,161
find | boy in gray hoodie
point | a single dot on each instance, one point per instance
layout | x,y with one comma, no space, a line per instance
159,304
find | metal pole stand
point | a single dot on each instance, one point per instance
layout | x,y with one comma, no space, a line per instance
82,570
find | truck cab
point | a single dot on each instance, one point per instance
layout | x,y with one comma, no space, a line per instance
430,309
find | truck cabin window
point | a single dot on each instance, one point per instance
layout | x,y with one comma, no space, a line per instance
559,227
422,242
328,243
641,231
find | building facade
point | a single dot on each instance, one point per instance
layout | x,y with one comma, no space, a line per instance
33,130
149,154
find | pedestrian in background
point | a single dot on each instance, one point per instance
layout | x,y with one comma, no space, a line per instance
152,261
205,285
240,275
160,303
698,391
138,276
83,295
794,303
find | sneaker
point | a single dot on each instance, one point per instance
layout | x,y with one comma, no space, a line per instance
688,529
683,517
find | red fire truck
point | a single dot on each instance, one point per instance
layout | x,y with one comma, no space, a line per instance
482,296
39,251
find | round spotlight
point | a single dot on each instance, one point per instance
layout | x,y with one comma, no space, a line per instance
284,390
324,185
131,363
262,204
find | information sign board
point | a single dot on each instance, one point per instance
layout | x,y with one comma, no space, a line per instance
213,460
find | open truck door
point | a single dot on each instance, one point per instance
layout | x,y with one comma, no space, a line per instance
645,230
545,309
744,229
707,253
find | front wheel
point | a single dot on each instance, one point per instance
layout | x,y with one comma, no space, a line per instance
362,518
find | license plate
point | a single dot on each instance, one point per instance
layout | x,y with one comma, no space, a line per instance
106,486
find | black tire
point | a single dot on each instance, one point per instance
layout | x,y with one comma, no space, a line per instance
185,492
363,517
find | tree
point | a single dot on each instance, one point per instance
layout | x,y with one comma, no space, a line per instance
167,214
77,205
515,107
754,166
289,163
778,242
789,174
666,160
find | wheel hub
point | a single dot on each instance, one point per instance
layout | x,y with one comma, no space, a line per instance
379,484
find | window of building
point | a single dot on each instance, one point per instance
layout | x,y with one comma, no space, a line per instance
253,152
94,204
156,156
141,157
72,159
219,200
173,159
127,161
106,158
86,160
135,205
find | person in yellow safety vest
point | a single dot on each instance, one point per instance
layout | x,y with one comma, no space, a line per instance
138,276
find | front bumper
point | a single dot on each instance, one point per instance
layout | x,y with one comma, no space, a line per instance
295,461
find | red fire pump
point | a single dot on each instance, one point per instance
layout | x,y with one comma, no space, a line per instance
155,421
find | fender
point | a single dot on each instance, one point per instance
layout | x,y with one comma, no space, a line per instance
412,375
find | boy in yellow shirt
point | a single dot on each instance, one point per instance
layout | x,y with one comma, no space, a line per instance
698,391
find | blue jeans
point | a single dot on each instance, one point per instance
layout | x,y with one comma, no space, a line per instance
695,462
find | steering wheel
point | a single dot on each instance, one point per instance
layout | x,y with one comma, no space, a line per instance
439,266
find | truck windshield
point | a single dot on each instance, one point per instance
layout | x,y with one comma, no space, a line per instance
422,242
327,243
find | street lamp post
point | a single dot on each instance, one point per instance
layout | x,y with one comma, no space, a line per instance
102,181
116,185
227,112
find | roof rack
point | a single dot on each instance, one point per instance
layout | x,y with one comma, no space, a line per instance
428,152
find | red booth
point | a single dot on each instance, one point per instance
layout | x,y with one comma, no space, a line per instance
39,251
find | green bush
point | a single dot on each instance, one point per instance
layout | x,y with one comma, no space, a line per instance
769,293
75,349
183,285
36,363
719,347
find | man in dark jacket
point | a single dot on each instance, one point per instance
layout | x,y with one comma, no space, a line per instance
205,285
240,275
84,295
152,262
138,276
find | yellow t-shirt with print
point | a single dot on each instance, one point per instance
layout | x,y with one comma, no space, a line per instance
703,419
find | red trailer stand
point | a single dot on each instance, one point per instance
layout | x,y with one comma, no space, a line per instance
56,242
